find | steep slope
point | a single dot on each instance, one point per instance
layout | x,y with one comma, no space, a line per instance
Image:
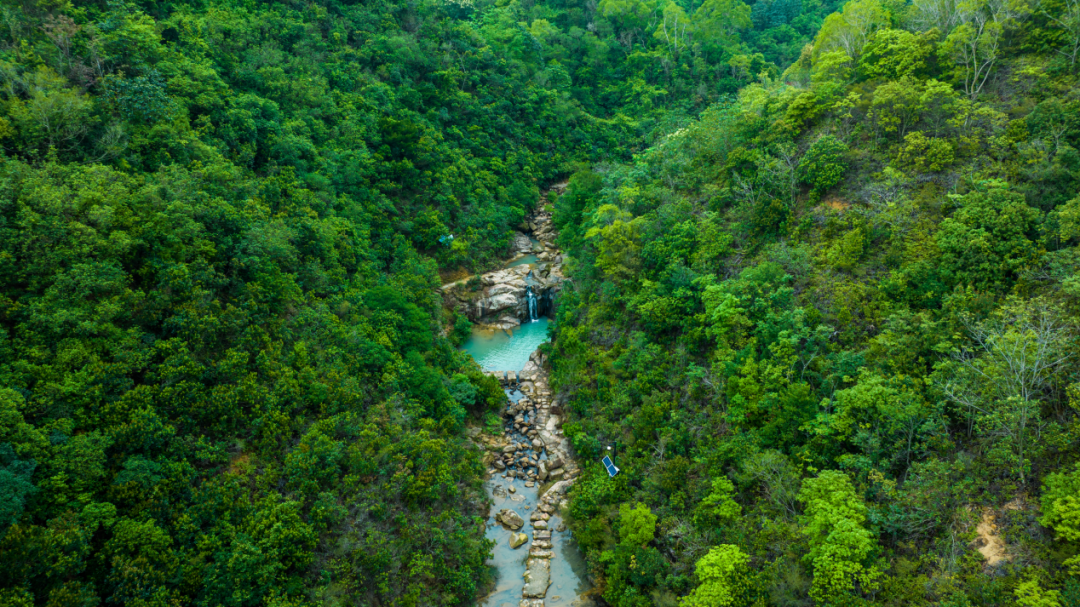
835,320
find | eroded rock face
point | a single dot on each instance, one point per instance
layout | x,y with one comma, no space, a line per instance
497,298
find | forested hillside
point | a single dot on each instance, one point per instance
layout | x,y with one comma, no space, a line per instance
226,375
831,326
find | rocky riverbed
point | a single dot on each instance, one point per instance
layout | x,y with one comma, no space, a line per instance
530,468
530,464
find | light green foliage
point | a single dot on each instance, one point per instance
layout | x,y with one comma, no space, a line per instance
717,21
849,29
718,506
1061,511
840,543
724,577
892,54
1031,594
897,106
925,154
637,524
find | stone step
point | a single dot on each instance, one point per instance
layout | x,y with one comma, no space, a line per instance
537,553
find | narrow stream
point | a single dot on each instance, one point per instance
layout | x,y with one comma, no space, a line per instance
510,351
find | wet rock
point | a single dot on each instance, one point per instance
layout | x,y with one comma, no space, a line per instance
500,464
510,519
537,578
542,535
561,527
517,540
540,525
537,443
536,553
512,489
542,471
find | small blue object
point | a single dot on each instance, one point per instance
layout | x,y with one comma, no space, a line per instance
447,239
612,470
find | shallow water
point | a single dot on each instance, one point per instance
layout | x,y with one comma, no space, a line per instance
509,563
568,571
521,261
500,351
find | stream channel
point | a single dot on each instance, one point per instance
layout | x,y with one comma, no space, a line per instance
530,456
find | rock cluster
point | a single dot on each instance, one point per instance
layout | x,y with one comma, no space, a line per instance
534,449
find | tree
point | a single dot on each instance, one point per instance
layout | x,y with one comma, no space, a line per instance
674,28
1014,359
1061,511
824,164
989,240
725,579
893,54
719,505
849,29
974,46
1065,14
637,524
718,21
840,544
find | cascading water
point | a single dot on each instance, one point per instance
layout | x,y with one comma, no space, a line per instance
531,298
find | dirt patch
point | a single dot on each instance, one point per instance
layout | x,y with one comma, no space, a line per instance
836,204
454,275
988,542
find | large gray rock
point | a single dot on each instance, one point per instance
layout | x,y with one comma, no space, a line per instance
537,578
510,519
520,244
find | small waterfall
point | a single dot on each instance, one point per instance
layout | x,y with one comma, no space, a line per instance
531,297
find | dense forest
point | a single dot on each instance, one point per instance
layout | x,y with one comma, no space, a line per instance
831,326
225,374
822,296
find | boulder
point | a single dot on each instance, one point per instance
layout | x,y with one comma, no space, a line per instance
517,540
510,519
520,244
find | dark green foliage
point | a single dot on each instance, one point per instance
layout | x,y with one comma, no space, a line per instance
823,165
